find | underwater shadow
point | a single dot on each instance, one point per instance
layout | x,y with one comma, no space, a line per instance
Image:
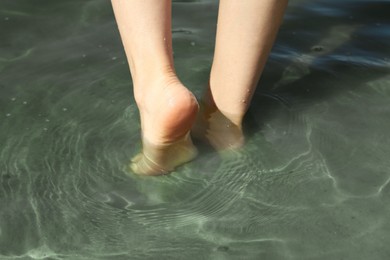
339,50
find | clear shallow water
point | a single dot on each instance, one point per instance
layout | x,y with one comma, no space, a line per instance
311,183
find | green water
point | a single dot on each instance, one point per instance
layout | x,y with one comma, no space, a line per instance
311,183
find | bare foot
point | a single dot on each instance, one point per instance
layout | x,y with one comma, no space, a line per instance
168,111
216,128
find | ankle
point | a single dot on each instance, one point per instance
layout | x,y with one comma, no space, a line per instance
167,108
145,86
236,119
211,107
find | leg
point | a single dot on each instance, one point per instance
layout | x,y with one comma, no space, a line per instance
245,35
167,108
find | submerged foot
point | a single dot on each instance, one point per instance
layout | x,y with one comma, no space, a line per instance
158,159
216,128
168,112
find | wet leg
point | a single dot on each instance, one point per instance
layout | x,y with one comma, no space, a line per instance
167,108
245,34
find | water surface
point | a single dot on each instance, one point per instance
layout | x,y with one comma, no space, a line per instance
312,181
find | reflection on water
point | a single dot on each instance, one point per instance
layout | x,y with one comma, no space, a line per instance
311,183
